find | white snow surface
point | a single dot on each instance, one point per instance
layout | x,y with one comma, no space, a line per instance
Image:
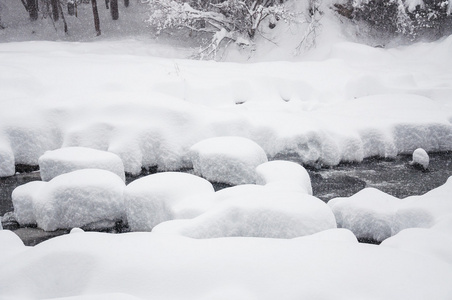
159,197
71,200
150,110
420,157
256,211
332,265
229,159
373,214
65,160
286,173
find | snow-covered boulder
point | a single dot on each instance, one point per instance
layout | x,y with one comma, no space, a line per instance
159,197
230,159
79,198
373,214
284,172
65,160
260,213
23,198
368,214
421,158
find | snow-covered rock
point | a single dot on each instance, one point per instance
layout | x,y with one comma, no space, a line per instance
79,198
368,214
261,212
65,160
284,172
421,158
159,197
230,159
373,214
23,198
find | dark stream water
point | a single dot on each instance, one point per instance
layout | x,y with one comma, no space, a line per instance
393,176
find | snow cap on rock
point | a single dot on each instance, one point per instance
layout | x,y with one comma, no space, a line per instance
421,158
229,159
285,172
155,198
23,198
262,212
65,160
79,198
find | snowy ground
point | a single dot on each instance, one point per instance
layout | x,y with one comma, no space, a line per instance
344,102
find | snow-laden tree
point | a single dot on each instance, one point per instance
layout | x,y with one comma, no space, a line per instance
224,21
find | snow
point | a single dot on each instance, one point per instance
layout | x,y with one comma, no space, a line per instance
159,197
420,157
231,160
70,200
284,172
256,212
373,214
149,265
65,160
23,198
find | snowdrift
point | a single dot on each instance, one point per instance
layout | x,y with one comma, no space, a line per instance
355,102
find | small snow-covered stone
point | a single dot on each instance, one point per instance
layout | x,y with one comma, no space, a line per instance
23,197
78,198
231,159
420,157
259,213
285,172
153,199
65,160
368,214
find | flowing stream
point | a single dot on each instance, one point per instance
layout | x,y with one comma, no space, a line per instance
393,176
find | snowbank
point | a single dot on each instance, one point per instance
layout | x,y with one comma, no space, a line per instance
70,200
231,160
65,160
152,116
93,265
284,172
372,214
155,198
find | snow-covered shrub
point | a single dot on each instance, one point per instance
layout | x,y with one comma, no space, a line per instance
409,19
224,21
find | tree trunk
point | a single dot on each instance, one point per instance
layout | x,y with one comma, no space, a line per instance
96,17
32,7
126,3
71,8
114,9
55,11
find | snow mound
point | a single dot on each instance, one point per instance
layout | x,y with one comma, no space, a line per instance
71,200
284,172
23,198
421,158
373,214
262,212
231,160
163,196
368,214
65,160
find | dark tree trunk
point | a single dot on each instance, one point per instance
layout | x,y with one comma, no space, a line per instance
55,11
114,9
62,17
106,4
126,3
32,7
71,8
96,17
